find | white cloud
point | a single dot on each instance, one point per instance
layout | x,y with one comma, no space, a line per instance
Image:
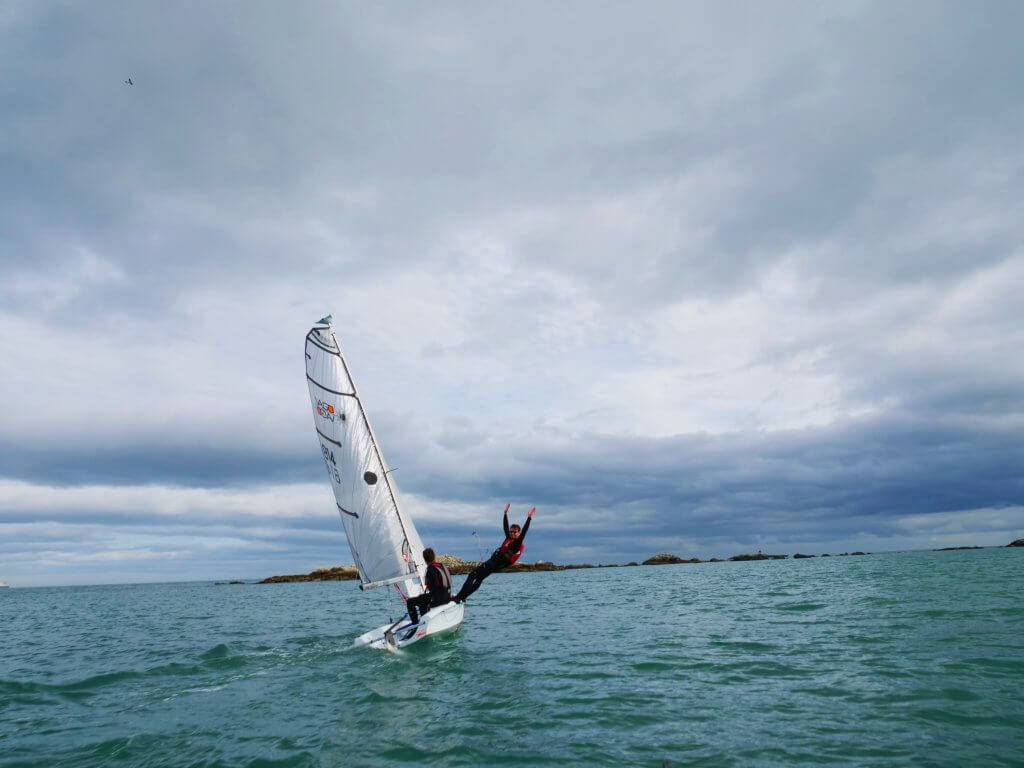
214,505
50,290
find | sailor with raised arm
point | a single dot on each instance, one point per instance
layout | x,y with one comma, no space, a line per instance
504,556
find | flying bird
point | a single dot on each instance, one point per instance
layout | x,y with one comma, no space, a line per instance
129,82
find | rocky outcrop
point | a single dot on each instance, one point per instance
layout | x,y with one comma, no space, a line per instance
338,573
1017,543
668,559
953,549
663,558
456,565
798,556
541,565
459,566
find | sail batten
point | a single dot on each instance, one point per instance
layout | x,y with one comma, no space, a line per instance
384,543
328,389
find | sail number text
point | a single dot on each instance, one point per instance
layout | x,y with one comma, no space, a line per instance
330,463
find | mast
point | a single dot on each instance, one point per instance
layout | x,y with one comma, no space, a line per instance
380,457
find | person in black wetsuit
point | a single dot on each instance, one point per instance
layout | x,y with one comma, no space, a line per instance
504,556
439,588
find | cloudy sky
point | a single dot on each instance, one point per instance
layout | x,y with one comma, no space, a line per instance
692,277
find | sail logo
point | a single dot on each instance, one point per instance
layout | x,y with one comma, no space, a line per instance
325,410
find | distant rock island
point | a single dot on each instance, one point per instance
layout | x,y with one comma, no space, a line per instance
458,566
666,559
338,573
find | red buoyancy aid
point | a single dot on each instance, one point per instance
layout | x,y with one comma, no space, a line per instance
510,556
446,578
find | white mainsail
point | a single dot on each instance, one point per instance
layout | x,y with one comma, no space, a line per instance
384,543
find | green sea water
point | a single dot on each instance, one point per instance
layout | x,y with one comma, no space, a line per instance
892,659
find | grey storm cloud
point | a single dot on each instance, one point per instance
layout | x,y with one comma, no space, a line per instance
810,478
195,465
884,468
706,268
243,126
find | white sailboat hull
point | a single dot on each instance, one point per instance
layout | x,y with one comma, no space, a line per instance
443,618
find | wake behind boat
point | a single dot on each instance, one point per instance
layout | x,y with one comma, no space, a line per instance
385,545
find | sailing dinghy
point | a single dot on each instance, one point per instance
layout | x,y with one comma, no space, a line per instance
384,542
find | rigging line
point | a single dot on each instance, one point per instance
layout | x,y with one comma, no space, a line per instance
402,606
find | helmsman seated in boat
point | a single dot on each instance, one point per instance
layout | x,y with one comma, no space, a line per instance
439,588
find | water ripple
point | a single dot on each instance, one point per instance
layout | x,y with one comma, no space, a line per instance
904,659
